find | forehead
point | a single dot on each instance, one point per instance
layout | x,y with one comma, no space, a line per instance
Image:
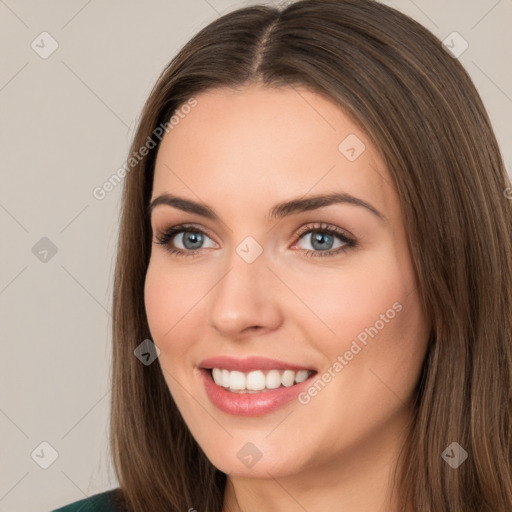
258,145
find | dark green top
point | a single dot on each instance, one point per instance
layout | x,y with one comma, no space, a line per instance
103,502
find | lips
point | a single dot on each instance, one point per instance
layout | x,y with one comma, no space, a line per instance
249,364
257,403
246,402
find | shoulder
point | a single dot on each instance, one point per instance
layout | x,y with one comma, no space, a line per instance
102,502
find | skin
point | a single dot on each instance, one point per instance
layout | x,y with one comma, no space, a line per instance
241,152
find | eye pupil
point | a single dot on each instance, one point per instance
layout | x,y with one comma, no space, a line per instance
194,237
321,239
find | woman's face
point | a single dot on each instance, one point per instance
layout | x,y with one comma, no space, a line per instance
269,282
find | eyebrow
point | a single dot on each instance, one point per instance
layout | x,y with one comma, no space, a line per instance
278,211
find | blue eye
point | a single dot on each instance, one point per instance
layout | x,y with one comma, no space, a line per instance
322,241
190,240
192,237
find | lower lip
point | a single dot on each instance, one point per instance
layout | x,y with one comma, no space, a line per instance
250,404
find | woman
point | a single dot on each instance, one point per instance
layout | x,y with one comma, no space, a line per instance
248,373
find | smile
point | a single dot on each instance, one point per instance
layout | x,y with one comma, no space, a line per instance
258,380
251,402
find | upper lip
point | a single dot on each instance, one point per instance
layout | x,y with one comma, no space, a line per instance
248,364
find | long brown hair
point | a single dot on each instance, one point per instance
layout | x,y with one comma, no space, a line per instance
422,112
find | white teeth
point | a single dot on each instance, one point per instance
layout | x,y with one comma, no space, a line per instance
288,378
237,380
217,374
225,379
301,376
273,379
257,380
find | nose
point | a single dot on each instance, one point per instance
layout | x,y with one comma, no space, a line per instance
245,299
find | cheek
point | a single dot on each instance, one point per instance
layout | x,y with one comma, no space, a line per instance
353,297
158,301
381,333
168,300
373,313
374,358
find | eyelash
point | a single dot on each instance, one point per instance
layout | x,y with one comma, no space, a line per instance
165,237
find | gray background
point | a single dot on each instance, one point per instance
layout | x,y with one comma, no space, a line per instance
66,124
